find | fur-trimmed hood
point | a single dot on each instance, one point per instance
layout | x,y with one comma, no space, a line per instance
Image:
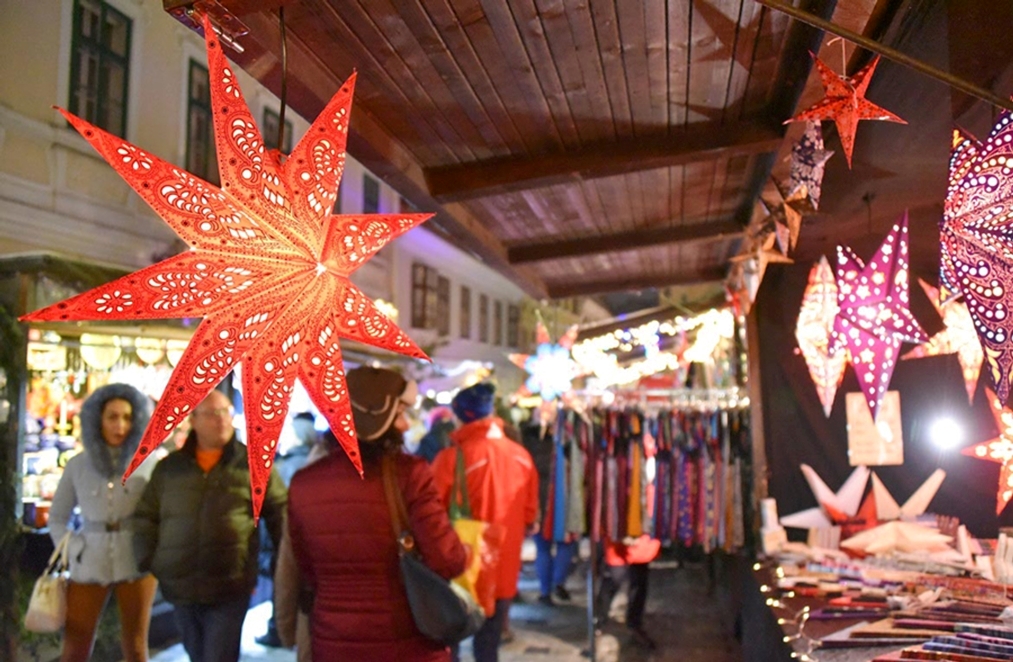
91,426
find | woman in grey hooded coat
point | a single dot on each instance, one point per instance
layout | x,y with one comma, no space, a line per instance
113,418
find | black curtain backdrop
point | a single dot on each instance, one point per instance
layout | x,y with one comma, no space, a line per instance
797,431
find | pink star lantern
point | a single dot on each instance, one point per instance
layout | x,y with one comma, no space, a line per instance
976,236
874,318
959,337
814,330
268,270
998,450
845,103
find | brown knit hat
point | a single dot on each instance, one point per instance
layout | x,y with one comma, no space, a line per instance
375,393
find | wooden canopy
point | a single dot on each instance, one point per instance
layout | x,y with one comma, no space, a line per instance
579,146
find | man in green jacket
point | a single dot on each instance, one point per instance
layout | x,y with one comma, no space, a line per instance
195,532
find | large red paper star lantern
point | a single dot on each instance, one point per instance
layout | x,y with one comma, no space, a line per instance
999,450
814,330
268,270
874,318
845,103
976,236
959,337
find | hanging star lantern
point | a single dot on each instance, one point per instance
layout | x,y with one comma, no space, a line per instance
998,450
975,239
755,260
268,270
551,368
959,337
874,318
808,161
845,103
814,330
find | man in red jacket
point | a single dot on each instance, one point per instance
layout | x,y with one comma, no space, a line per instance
502,488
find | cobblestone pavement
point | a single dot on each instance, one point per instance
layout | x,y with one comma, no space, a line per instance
690,616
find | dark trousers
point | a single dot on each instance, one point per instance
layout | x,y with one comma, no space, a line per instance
211,633
612,577
486,641
552,569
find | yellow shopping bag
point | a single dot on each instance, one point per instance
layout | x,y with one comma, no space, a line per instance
483,541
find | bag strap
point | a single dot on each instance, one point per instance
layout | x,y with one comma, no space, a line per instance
395,504
460,506
58,560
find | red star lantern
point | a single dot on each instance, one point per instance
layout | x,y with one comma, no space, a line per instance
814,330
999,450
845,103
268,270
975,238
874,318
959,337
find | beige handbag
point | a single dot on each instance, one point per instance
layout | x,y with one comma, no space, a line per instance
47,608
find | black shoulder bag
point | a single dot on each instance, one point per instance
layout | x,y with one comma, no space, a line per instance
443,611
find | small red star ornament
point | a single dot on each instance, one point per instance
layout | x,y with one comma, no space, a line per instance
998,450
845,103
268,270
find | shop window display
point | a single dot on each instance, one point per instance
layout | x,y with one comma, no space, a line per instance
62,371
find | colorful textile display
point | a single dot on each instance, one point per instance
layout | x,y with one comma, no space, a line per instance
975,237
845,103
268,270
874,318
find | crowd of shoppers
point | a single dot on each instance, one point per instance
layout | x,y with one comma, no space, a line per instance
183,522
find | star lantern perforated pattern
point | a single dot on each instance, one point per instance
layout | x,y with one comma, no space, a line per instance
551,369
959,337
808,161
998,450
976,242
814,330
268,270
845,103
874,318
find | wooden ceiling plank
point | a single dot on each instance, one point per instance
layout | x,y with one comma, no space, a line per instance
562,290
678,21
605,27
450,93
658,233
497,134
742,57
309,92
580,24
656,40
632,36
493,34
544,25
499,176
768,56
381,91
579,199
418,80
535,40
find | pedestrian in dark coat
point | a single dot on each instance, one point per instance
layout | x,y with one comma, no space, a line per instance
343,541
196,532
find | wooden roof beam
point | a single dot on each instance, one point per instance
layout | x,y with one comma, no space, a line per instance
465,181
554,249
563,290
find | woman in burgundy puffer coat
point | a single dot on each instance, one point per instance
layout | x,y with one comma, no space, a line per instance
344,543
